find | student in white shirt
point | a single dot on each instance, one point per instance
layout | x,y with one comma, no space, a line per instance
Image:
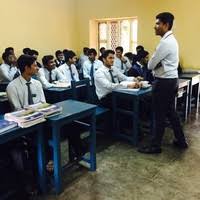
60,60
8,69
83,57
121,62
164,63
49,73
69,69
91,65
24,90
108,78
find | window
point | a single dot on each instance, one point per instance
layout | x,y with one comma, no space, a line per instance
113,33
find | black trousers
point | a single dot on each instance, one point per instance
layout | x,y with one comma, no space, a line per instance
163,98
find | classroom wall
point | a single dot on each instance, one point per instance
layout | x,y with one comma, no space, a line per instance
186,27
45,25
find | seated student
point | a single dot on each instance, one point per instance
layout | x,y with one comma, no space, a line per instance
139,48
60,60
121,62
140,67
25,90
8,68
83,57
102,50
91,65
49,73
109,77
68,69
35,54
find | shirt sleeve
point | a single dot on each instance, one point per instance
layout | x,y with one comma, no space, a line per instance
123,77
13,97
43,80
75,73
60,76
128,64
5,74
85,71
161,52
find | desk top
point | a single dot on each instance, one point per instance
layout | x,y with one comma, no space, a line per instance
189,75
134,93
183,83
71,108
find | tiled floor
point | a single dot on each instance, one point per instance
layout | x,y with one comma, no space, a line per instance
124,174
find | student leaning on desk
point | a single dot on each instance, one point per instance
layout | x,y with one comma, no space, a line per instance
108,78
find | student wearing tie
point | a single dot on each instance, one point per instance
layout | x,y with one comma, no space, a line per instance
102,50
68,69
121,62
91,65
25,90
60,60
8,69
49,73
164,63
109,77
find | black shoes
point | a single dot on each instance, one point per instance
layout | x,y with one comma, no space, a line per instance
150,150
180,145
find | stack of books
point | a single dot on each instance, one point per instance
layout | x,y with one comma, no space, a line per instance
25,118
33,114
47,109
6,125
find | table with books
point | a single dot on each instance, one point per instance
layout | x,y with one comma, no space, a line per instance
133,96
71,111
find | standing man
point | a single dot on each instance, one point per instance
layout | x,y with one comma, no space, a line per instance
164,63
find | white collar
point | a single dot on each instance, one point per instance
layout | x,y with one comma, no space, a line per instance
167,34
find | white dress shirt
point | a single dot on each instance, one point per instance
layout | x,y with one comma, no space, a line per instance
82,59
7,73
118,64
64,69
87,67
43,77
165,59
103,81
17,92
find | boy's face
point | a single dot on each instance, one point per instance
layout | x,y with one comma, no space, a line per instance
32,70
109,60
51,65
92,57
160,27
11,59
118,53
73,60
60,56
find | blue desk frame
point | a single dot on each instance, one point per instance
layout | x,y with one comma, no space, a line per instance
72,110
38,130
134,113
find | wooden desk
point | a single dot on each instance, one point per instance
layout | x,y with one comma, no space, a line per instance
194,80
38,130
134,113
72,110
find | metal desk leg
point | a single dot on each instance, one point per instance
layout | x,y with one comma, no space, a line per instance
190,98
135,121
57,158
93,143
198,93
186,103
41,161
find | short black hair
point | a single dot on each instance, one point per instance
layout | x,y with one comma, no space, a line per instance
140,47
65,50
129,55
26,50
33,52
166,17
119,48
58,52
102,48
142,54
5,56
46,59
25,60
85,50
68,55
8,49
107,52
92,51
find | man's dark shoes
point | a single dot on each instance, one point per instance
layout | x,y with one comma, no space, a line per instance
180,145
150,149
